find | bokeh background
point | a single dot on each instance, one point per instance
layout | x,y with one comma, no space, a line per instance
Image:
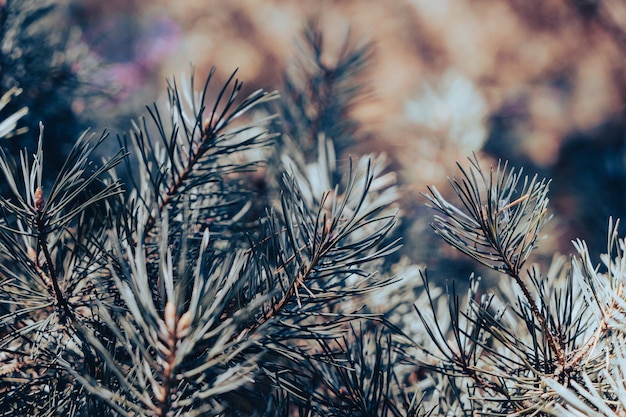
539,83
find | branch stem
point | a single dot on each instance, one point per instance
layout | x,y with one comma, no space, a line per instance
178,182
543,323
42,244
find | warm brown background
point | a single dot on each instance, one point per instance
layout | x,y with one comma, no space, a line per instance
541,83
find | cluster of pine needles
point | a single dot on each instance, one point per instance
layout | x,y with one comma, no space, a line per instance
222,259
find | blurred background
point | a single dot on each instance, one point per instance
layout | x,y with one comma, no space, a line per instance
539,83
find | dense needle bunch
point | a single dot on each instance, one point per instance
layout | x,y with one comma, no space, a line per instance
227,259
144,286
540,343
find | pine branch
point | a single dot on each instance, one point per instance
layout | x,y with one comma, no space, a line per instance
351,375
501,225
38,239
320,91
546,347
8,127
320,250
191,149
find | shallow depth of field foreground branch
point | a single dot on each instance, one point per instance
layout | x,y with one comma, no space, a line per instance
226,258
540,343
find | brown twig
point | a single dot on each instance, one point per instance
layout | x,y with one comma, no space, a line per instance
182,177
512,271
42,245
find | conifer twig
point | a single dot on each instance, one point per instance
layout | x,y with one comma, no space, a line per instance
42,244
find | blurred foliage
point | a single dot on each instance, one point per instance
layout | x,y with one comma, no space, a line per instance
43,56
